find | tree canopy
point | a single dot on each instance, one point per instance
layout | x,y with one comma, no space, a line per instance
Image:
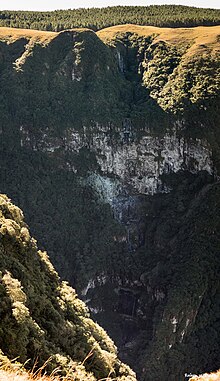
99,18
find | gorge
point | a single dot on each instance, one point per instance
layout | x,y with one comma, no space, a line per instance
110,145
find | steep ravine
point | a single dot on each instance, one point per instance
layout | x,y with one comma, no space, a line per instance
158,309
110,144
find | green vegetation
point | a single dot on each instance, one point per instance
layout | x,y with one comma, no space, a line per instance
99,18
41,317
185,241
74,78
60,92
179,68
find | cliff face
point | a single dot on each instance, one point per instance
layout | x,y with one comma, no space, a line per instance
110,143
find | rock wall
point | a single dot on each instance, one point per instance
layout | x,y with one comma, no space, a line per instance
136,163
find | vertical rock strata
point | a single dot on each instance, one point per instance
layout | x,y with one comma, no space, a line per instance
136,163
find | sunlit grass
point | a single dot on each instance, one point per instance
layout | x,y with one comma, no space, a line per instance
207,377
200,38
11,35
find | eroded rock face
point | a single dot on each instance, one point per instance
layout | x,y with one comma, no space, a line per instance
137,163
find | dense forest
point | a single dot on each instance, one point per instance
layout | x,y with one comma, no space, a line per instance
99,18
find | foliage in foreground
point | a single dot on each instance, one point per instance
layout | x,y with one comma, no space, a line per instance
42,317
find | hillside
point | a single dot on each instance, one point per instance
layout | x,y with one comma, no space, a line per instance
164,69
41,317
110,143
99,18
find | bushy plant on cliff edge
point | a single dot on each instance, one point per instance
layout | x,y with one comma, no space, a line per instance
41,316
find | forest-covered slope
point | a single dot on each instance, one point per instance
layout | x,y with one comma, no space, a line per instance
99,18
110,144
42,320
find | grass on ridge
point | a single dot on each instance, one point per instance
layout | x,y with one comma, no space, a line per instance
207,377
200,37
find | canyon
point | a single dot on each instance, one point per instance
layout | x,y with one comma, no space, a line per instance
110,145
